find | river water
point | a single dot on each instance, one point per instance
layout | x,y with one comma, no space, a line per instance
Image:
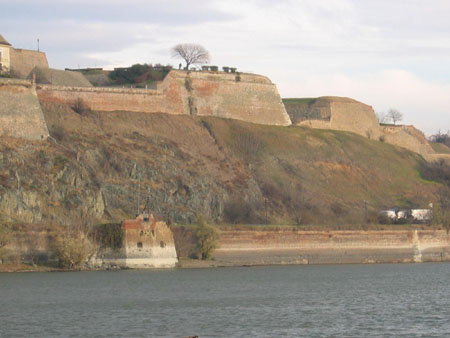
403,300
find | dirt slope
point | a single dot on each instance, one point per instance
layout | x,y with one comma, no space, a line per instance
228,170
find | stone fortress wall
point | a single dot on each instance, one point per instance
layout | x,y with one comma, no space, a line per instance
20,111
251,98
104,99
23,61
247,97
340,113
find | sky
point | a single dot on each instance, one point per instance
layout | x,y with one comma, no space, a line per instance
385,53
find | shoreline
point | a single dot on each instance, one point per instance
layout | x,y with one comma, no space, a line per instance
186,264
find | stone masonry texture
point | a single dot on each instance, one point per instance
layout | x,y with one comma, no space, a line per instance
20,111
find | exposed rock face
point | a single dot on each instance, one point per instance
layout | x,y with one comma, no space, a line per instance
20,111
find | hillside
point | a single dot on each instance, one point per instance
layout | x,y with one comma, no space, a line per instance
229,170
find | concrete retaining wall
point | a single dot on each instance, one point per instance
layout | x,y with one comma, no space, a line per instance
332,247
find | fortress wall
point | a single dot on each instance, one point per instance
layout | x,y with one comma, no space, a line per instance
408,137
105,99
253,98
356,117
20,111
23,61
331,247
353,116
344,114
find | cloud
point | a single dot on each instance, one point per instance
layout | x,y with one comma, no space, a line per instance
385,53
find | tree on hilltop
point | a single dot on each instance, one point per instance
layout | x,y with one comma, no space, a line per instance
191,53
395,115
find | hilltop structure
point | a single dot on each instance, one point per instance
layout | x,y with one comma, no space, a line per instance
19,62
251,98
342,113
248,97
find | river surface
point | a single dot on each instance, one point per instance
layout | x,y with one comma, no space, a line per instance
403,300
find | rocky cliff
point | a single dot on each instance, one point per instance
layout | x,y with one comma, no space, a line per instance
228,170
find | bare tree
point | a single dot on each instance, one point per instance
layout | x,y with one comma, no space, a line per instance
395,115
191,53
382,117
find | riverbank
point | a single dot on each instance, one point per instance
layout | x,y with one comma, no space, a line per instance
289,246
284,246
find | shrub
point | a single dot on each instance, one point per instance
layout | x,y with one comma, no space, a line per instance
108,235
250,147
239,211
188,84
5,238
441,138
436,171
207,237
233,69
214,68
80,107
72,247
226,69
441,212
237,77
58,133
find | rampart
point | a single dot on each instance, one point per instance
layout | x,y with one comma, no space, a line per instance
408,137
20,111
338,113
251,98
58,77
105,99
342,114
23,61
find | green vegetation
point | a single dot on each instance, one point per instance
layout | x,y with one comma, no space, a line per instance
311,176
5,238
207,237
139,74
109,235
440,148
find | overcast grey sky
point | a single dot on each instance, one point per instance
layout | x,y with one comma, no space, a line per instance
386,53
